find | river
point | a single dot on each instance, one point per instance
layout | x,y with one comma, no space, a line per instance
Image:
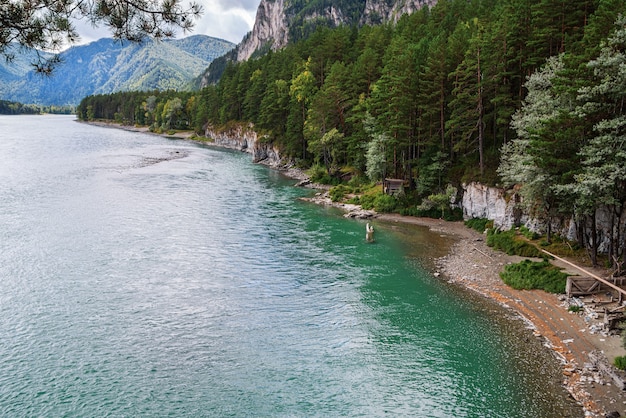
144,276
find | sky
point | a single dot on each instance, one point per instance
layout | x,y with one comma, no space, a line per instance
224,19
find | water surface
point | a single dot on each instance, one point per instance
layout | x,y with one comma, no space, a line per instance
141,276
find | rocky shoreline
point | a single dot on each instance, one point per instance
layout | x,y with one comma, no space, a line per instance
584,355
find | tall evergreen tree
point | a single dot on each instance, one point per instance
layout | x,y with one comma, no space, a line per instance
540,160
467,106
303,88
604,157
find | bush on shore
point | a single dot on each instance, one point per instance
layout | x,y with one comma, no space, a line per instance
529,275
479,224
620,362
507,241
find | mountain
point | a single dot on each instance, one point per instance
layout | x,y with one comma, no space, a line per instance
14,70
279,22
107,66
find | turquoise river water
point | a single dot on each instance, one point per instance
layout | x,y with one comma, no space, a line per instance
143,276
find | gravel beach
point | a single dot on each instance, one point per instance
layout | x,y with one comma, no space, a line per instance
472,264
573,337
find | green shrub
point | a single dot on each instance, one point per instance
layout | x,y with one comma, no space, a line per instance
359,181
529,275
319,174
528,233
574,308
507,242
367,201
479,224
620,362
451,215
337,193
384,203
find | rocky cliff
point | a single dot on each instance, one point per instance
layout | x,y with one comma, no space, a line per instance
503,208
480,201
270,27
274,17
383,11
243,138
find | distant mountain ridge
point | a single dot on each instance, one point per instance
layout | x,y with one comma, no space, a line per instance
107,66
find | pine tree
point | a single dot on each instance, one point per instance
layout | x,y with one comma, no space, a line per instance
604,157
303,89
434,91
467,109
538,158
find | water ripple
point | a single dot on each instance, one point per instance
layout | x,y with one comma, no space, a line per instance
142,276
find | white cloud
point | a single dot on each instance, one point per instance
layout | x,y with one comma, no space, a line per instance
224,19
227,20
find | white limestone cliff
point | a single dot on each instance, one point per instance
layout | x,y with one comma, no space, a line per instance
381,11
245,139
480,201
270,26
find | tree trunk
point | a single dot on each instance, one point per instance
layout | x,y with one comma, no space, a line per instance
549,231
442,116
594,241
612,246
580,232
395,160
619,245
481,128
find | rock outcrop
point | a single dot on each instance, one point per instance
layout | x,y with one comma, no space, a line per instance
382,11
504,209
271,26
480,201
244,138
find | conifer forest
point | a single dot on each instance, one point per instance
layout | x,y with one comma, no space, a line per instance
513,93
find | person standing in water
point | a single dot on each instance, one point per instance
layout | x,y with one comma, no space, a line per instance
369,233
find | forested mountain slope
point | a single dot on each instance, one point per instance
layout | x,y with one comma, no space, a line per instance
279,22
518,93
107,66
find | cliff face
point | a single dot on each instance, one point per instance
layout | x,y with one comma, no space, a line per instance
271,27
377,11
244,139
480,201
